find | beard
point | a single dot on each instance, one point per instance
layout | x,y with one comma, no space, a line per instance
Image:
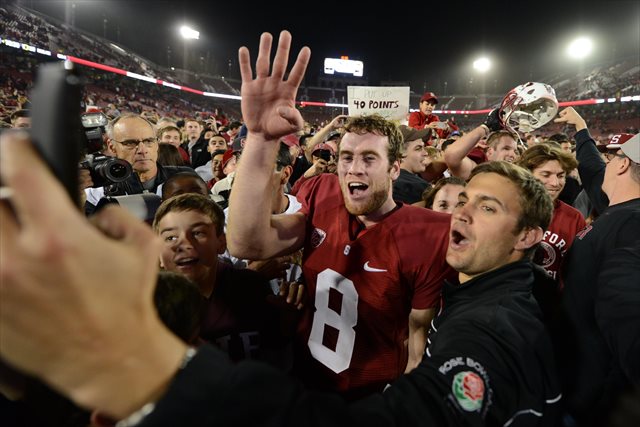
378,197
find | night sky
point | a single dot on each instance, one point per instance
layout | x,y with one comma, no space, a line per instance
423,46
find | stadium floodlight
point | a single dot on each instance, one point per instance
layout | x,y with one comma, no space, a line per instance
580,48
189,33
482,64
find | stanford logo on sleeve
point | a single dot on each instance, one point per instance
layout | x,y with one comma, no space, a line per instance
468,389
545,255
317,237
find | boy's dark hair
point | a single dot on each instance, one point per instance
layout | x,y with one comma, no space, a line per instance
304,138
192,202
284,157
218,152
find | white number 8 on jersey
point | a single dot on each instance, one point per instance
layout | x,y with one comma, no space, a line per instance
344,322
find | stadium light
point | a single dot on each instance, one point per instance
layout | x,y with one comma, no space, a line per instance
482,65
189,33
580,48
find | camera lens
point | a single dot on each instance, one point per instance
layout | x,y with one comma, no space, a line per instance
118,171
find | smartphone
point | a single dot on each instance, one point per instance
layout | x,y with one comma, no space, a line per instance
56,127
441,125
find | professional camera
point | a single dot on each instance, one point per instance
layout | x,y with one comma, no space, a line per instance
106,170
93,124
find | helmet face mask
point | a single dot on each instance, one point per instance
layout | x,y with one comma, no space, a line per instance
529,107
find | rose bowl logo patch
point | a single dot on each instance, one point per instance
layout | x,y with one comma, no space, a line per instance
468,389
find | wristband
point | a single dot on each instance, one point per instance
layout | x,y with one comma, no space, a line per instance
139,415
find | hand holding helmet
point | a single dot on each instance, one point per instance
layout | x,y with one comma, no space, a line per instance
528,107
493,121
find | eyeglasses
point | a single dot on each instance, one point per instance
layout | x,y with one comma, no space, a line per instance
132,144
609,156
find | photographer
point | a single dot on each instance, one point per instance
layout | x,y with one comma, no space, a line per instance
133,139
322,157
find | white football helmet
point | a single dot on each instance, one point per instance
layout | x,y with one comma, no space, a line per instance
529,107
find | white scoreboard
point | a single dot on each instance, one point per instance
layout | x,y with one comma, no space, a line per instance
343,65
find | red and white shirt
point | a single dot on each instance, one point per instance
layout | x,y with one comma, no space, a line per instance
565,224
362,285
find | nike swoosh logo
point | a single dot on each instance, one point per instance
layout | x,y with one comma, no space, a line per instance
371,269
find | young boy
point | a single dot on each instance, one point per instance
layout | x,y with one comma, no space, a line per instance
240,316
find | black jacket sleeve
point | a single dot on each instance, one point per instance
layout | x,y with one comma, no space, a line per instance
462,385
591,169
617,311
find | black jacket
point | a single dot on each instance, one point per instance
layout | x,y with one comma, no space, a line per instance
489,362
591,365
408,188
199,155
591,170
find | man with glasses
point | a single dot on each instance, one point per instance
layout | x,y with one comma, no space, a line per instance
133,138
600,346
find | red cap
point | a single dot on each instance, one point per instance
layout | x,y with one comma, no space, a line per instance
618,139
290,140
628,143
226,157
428,96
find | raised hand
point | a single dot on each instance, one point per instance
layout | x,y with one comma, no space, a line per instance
268,101
570,115
494,121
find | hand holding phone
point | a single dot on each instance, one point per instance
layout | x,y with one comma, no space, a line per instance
57,130
441,125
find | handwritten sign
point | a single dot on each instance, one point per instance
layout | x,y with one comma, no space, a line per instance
390,102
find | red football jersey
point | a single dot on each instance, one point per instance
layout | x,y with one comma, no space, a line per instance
565,224
362,285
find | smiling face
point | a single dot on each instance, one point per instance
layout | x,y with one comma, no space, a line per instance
427,107
552,176
366,176
504,149
483,233
414,157
191,246
216,166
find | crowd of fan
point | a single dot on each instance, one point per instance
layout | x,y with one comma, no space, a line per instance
389,224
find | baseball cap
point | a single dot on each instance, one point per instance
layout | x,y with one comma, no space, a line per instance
226,157
320,147
290,140
332,134
410,134
428,96
627,143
